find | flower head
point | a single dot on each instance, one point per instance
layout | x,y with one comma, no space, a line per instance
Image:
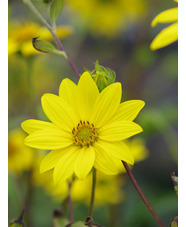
167,35
86,129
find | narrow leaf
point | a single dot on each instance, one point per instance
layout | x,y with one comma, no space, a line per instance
55,9
46,47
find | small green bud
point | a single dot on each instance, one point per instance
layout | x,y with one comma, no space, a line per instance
102,76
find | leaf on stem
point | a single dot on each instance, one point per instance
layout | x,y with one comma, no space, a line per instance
46,47
55,9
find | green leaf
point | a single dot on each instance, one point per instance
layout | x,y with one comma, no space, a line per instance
46,47
55,9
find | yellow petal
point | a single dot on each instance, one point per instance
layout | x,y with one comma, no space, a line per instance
87,94
104,162
65,167
32,125
128,110
84,162
119,130
106,105
165,37
59,112
49,139
167,16
117,149
52,158
68,91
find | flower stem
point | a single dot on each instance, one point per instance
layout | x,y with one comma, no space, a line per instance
142,195
90,214
53,32
71,214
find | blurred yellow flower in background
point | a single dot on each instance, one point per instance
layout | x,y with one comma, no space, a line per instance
138,148
20,36
167,35
20,157
108,17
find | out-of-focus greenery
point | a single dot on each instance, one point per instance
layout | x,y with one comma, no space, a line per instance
124,47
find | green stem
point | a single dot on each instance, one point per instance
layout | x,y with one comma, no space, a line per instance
142,195
92,193
34,10
52,30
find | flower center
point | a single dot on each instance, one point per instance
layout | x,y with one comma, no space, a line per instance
84,134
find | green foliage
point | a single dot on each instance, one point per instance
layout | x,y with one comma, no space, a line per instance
102,76
46,47
55,9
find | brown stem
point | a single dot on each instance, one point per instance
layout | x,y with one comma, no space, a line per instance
142,195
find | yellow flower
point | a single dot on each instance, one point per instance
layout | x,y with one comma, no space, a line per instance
20,157
86,129
20,36
105,17
108,188
167,35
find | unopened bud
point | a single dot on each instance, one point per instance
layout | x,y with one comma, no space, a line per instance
103,76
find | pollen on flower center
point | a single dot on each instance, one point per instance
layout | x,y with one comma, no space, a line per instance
84,134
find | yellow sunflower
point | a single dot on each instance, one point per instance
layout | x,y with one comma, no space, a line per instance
167,35
86,129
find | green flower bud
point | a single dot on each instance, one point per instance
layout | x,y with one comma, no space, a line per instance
102,76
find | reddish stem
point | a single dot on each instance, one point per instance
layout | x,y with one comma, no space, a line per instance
142,195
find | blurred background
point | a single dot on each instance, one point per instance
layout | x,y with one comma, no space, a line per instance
118,34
